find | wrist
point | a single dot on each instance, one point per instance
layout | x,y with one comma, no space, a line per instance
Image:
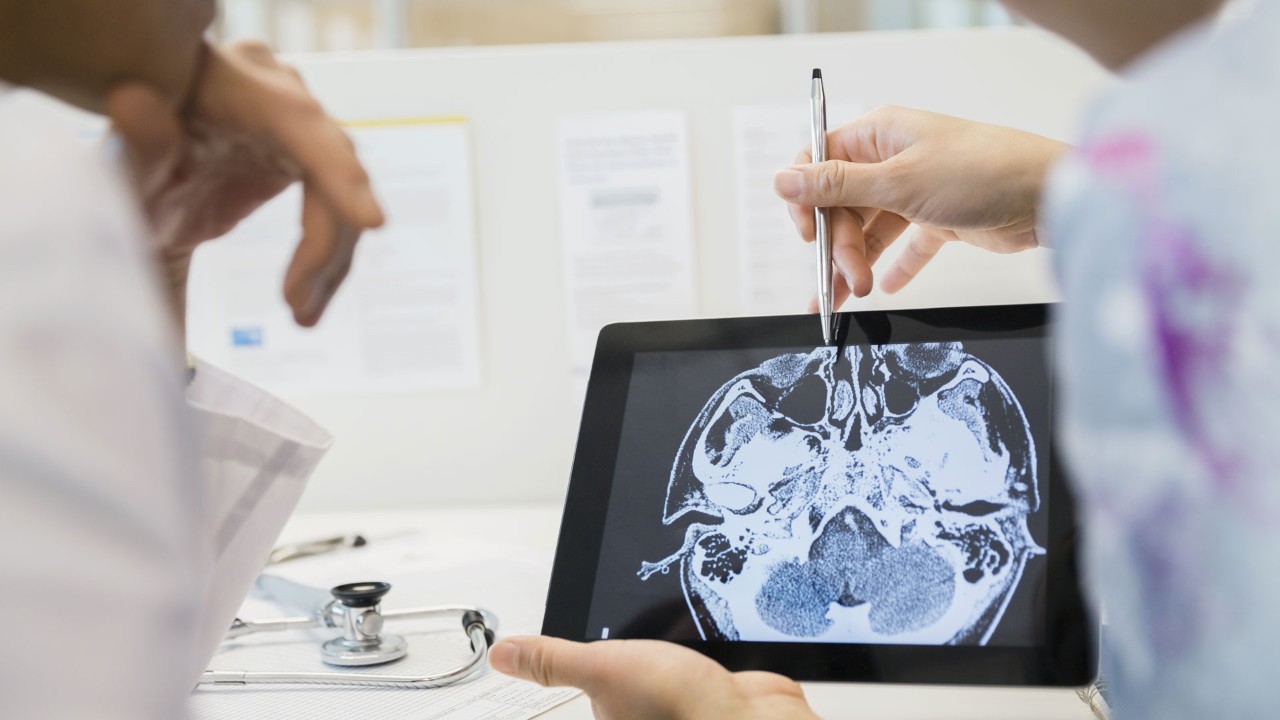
1054,151
175,269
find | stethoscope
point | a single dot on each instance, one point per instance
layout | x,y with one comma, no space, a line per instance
356,609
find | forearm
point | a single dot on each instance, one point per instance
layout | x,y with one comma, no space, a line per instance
77,50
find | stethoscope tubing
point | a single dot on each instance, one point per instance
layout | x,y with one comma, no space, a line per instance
479,654
324,618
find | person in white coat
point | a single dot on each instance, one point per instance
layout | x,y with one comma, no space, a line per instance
139,497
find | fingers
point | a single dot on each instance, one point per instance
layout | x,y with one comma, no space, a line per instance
851,191
648,679
802,216
848,250
856,248
920,249
323,152
755,683
245,86
152,133
255,50
328,160
880,232
837,183
550,662
877,135
839,296
245,91
338,199
854,191
322,260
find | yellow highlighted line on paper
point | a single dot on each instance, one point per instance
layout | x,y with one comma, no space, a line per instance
393,122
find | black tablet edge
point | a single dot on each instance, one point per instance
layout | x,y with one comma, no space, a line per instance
577,547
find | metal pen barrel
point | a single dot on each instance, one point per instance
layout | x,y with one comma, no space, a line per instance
825,275
821,216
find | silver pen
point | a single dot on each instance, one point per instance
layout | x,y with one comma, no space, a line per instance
822,229
293,551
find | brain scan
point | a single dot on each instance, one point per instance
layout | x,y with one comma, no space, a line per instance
873,494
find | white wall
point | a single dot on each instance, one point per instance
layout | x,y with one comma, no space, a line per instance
513,437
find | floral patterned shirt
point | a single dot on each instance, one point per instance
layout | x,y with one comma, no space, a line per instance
1166,225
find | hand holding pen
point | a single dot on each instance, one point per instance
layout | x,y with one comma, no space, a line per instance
956,180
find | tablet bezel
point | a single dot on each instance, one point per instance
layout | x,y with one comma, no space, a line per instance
1064,652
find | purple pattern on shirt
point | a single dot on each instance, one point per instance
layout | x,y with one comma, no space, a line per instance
1165,225
1192,355
1178,275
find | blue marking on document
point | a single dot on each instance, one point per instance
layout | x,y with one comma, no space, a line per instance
246,337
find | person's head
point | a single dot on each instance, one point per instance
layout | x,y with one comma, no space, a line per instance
1114,31
77,49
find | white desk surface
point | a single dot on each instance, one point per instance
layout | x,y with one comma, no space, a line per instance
536,526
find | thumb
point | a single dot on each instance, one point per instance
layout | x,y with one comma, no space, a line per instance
838,183
547,661
152,132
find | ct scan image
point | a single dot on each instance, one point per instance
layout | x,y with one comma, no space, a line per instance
869,494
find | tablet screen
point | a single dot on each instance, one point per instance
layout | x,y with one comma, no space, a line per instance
888,508
868,494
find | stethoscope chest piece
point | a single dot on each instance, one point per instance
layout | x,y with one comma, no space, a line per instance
357,611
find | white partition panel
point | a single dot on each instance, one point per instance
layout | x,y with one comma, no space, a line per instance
513,437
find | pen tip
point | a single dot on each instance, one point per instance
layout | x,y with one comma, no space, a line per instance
817,74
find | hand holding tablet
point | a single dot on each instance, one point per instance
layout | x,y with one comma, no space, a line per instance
647,680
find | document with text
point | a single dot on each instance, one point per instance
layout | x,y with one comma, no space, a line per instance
407,316
778,270
626,222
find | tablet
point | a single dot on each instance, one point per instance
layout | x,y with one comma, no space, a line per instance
890,508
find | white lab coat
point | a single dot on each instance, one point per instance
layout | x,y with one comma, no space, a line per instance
132,519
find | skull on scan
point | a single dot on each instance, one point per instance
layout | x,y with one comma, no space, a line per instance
875,494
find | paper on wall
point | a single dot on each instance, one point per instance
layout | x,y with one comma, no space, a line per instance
626,216
406,317
778,275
